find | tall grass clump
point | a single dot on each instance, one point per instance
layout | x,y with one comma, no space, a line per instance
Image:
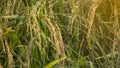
59,34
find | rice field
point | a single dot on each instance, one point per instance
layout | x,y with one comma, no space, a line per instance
59,33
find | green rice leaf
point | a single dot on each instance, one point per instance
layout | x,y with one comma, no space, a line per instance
51,64
14,16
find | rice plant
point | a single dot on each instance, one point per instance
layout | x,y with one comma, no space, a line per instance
59,34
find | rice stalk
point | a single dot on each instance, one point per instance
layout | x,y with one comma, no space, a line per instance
9,55
115,25
74,14
57,38
1,66
91,14
90,18
36,29
28,54
61,44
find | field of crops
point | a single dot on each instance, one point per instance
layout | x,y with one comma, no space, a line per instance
59,33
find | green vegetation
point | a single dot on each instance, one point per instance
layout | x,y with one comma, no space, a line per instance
59,33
